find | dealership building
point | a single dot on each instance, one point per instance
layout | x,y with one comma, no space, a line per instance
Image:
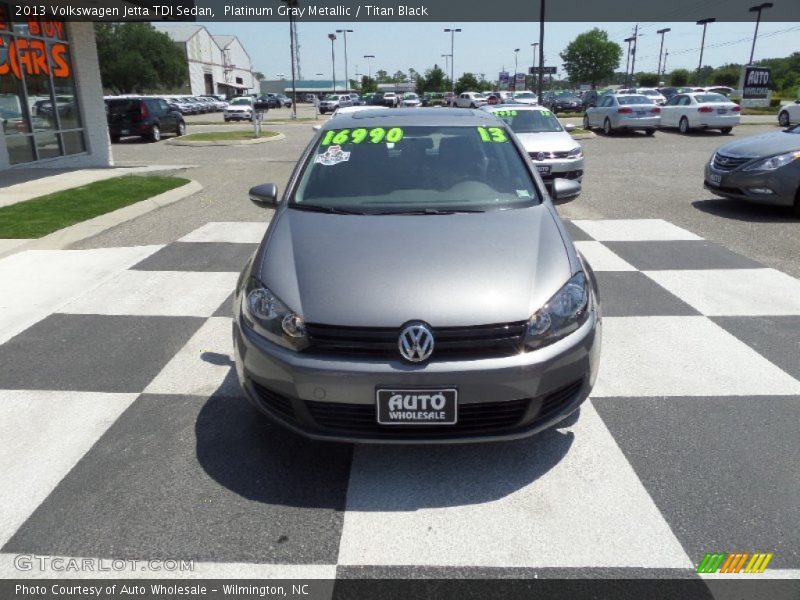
51,99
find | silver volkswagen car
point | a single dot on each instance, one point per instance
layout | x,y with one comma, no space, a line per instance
415,284
554,152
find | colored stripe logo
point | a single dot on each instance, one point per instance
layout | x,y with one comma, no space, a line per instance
734,562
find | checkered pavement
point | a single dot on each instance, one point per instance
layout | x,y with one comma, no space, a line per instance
124,434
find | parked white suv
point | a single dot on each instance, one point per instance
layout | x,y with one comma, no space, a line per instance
333,101
239,109
391,99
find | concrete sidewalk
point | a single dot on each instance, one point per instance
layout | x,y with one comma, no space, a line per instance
18,185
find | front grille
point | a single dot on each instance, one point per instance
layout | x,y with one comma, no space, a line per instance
276,403
482,341
361,419
535,155
723,162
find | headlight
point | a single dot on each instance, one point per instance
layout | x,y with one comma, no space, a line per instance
575,152
773,162
271,318
564,313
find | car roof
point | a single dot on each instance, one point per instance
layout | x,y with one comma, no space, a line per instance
405,117
510,106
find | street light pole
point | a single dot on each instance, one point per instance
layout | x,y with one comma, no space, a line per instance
757,9
516,67
446,58
344,33
291,4
628,63
540,80
704,23
369,58
332,38
635,43
661,50
452,33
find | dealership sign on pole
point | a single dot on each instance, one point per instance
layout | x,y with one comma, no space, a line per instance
754,84
545,70
503,80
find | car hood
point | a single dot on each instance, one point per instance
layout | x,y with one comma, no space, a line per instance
446,270
766,144
547,141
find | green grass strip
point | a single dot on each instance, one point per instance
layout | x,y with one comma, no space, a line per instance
39,216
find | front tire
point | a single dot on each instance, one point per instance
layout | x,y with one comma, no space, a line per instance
683,125
726,130
650,132
783,119
607,129
181,129
155,134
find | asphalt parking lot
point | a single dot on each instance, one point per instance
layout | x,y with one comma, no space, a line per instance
140,445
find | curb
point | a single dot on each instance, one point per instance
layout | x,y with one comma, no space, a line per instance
181,142
58,240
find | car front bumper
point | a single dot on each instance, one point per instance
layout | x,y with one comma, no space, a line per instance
751,185
333,398
566,168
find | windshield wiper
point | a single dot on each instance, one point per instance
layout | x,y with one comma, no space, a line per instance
331,210
431,211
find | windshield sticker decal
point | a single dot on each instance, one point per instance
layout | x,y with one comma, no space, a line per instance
523,193
332,156
505,113
376,135
492,134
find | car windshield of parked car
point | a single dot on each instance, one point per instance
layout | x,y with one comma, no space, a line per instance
415,169
711,98
623,100
649,92
524,95
529,121
239,101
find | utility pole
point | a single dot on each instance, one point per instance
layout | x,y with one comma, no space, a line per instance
664,66
661,50
704,23
332,38
633,60
757,9
628,63
453,33
344,33
541,52
369,58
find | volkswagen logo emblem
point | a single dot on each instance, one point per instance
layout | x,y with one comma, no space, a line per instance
540,156
416,343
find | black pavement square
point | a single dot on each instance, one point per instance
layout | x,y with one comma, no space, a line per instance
722,470
198,256
93,353
576,233
207,479
776,338
226,308
686,254
633,294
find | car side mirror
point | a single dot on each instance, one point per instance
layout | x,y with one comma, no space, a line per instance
569,127
264,195
565,189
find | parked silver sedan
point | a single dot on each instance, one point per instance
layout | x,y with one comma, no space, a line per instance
416,284
549,145
623,111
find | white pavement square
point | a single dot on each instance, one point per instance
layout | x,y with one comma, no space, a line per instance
43,434
200,368
37,283
526,504
157,293
634,230
235,232
734,292
601,258
683,356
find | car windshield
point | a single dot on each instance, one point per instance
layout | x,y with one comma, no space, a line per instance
524,95
623,100
712,98
415,169
529,121
241,101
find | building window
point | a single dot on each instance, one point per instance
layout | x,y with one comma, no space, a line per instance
39,108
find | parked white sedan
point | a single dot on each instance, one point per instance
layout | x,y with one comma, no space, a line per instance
789,114
623,111
700,110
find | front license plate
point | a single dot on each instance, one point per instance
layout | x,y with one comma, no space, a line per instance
714,179
543,169
417,407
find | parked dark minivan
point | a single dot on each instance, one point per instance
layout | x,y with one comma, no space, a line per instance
147,118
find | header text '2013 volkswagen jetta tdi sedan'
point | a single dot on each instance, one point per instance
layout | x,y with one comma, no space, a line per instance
416,285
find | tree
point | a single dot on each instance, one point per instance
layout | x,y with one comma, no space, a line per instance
727,75
135,57
647,79
679,78
258,76
467,83
434,80
399,77
382,77
591,57
368,85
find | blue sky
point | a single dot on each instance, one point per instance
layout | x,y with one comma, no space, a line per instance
487,47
